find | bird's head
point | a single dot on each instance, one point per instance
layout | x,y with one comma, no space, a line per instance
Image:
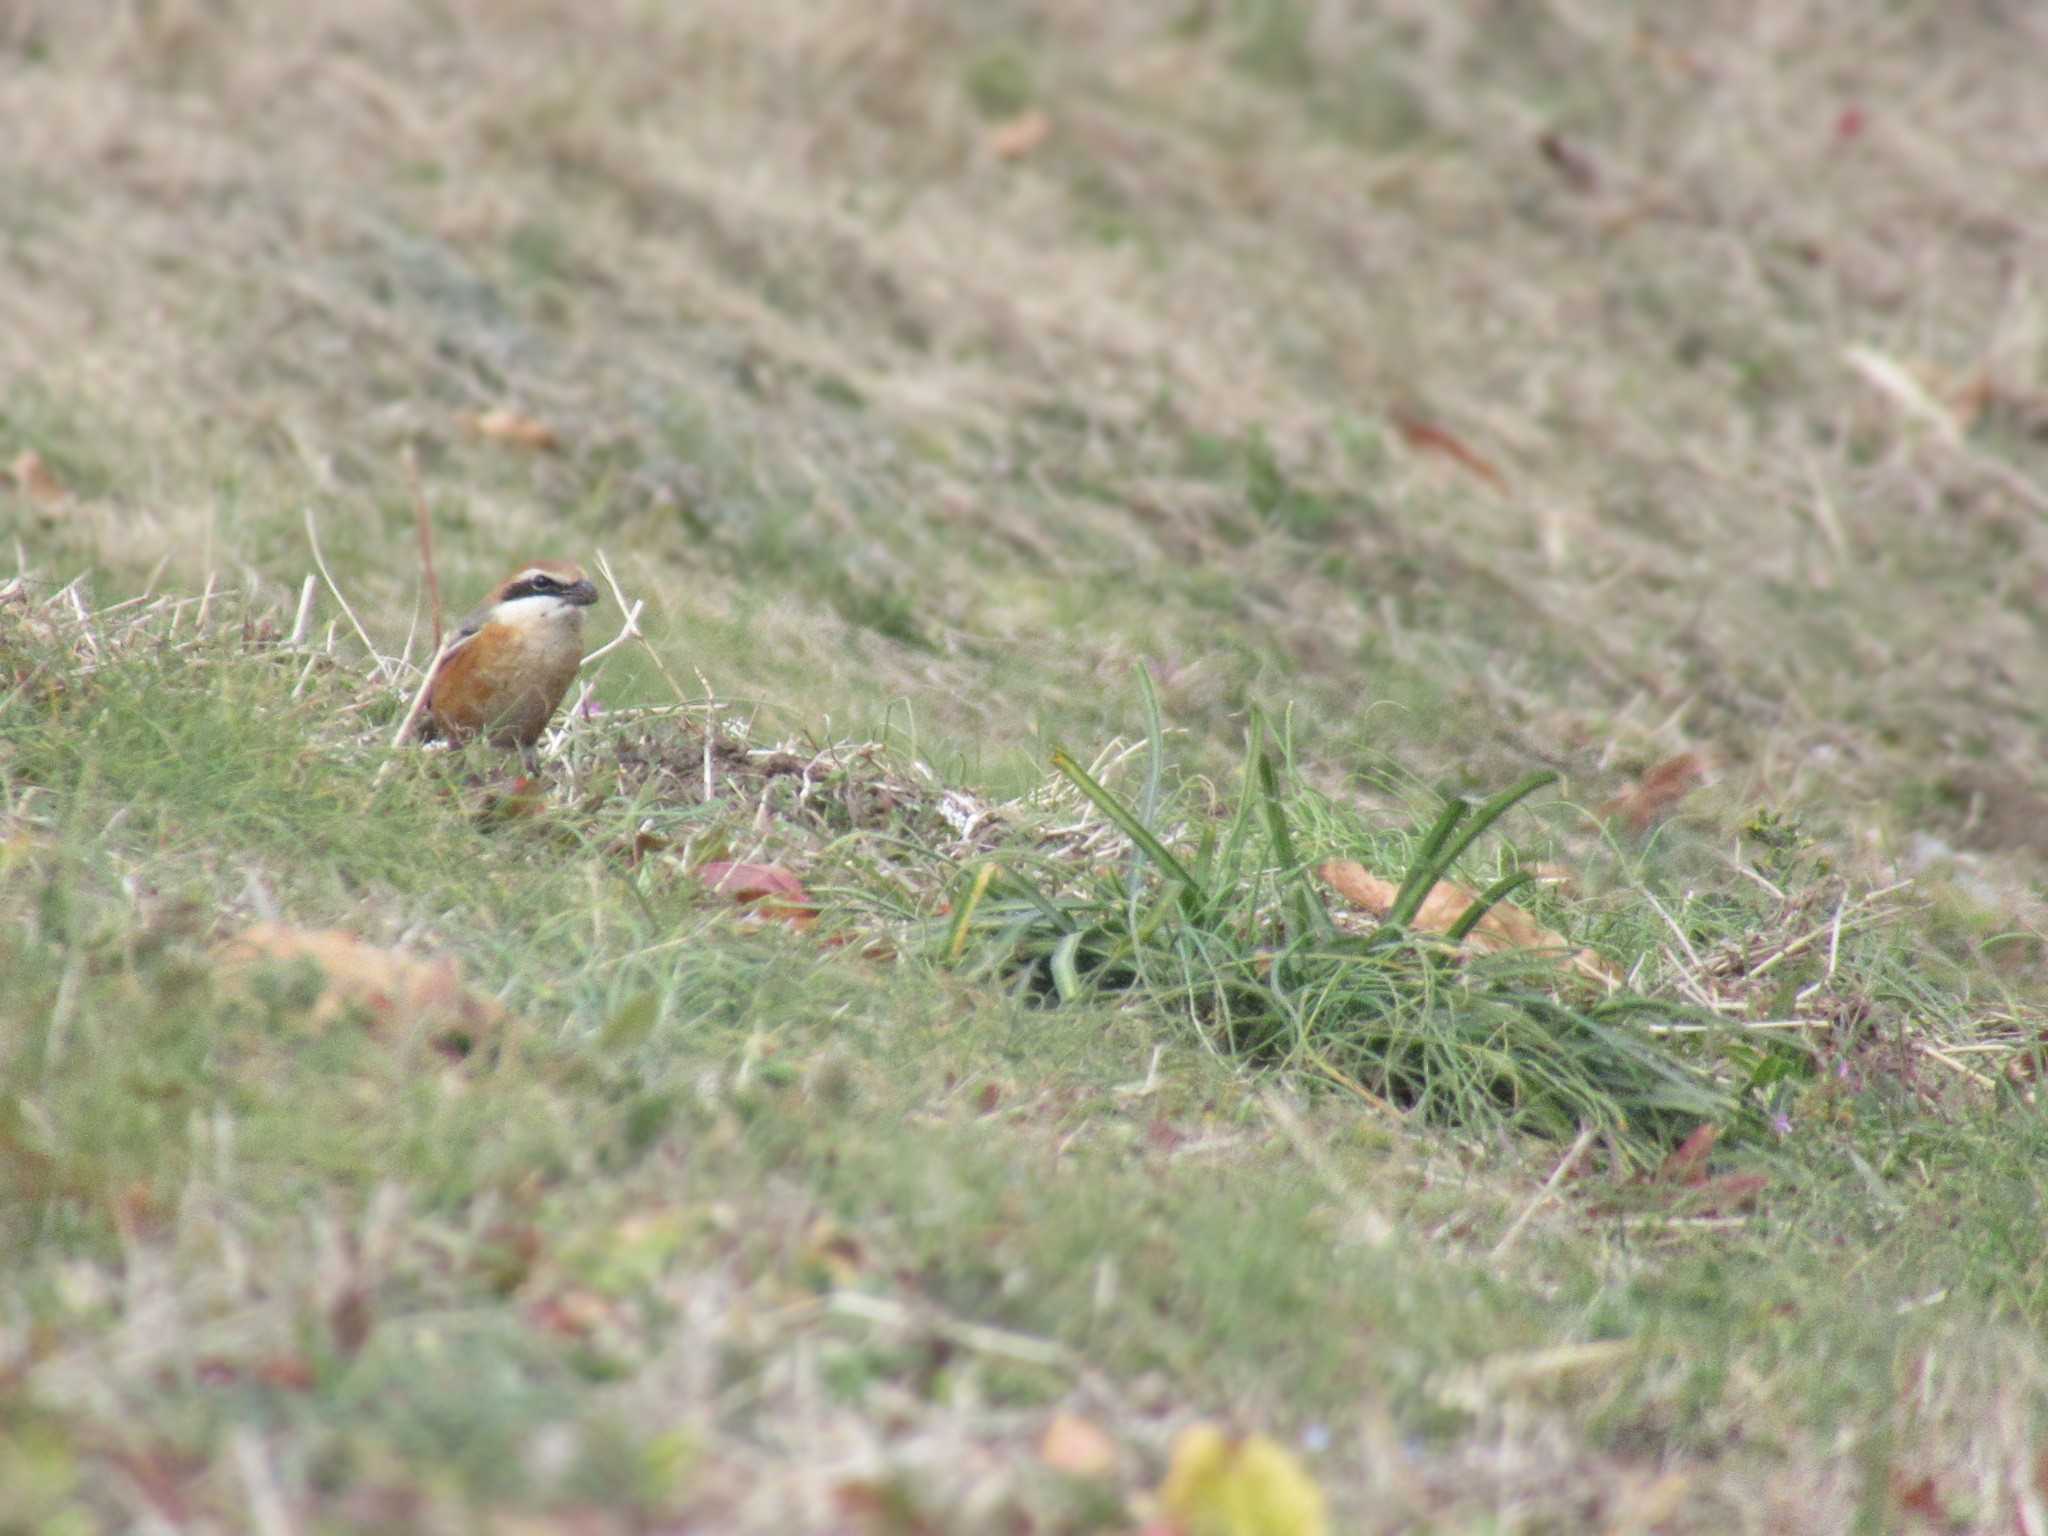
548,586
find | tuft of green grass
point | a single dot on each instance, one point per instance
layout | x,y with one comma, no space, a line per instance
1235,940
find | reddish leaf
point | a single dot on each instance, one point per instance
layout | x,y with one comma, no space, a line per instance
351,1319
32,477
881,1509
1428,437
1730,1192
1687,1163
1163,1135
288,1373
1920,1498
1570,162
769,889
1657,793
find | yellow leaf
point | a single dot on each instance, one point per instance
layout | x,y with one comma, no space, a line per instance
1021,135
506,425
1077,1447
1220,1485
33,478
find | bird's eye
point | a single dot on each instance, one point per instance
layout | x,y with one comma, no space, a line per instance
544,584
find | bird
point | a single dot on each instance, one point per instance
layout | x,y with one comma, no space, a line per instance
504,673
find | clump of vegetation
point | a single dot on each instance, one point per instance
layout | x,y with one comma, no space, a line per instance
1235,939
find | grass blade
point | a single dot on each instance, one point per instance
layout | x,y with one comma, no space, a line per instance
1486,901
1127,823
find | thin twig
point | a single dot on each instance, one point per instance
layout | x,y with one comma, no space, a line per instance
426,529
419,699
1807,940
1935,1053
1677,932
302,621
975,1336
604,567
320,560
630,630
268,1512
1564,1166
1372,1223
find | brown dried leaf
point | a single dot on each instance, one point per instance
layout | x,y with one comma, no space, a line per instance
1504,927
387,986
1730,1192
350,1319
1020,135
573,1313
34,478
1078,1447
1657,793
1570,162
1359,885
1687,1163
881,1508
506,425
1428,437
768,889
287,1373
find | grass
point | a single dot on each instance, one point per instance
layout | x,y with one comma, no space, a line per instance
1469,396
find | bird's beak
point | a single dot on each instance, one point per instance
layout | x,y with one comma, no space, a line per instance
583,594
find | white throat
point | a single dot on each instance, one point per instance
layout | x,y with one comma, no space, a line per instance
537,608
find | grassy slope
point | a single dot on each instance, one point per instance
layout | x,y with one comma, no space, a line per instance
900,437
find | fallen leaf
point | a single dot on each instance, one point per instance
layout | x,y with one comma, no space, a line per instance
505,425
1719,1197
1428,437
1020,135
1649,1506
1505,926
351,1320
1076,1446
1687,1163
768,889
575,1313
1684,1173
1657,793
882,1508
520,800
138,1212
287,1373
1921,1498
1223,1485
835,1253
637,847
388,987
34,479
1569,161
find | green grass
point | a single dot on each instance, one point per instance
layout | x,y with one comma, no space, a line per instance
406,1270
1083,1093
